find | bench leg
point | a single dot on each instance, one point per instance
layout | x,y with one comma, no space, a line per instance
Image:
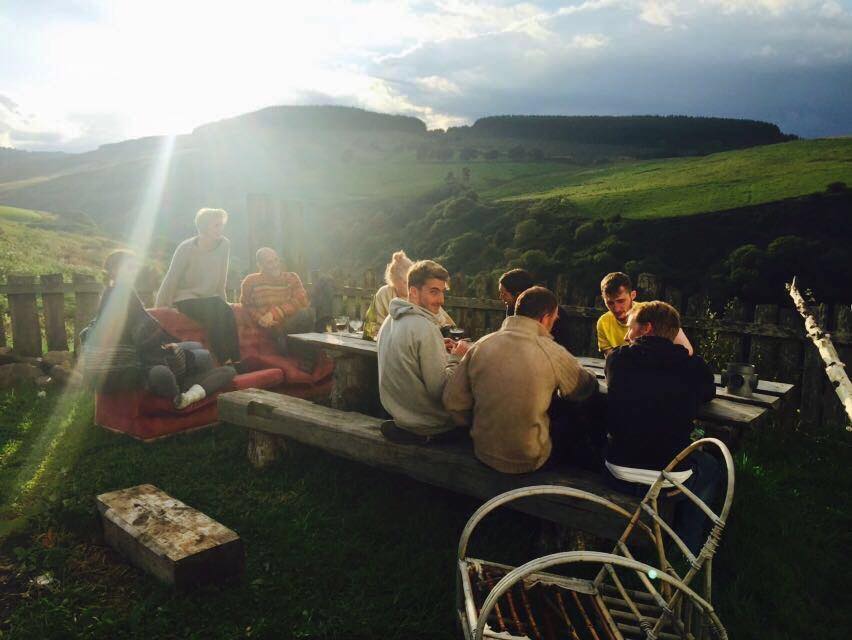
263,448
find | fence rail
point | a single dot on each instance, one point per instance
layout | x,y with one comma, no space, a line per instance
49,312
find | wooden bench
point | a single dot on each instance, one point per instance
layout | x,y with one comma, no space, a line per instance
272,418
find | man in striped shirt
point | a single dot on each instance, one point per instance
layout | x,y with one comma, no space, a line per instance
273,297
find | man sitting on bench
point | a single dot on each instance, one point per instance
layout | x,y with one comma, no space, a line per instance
655,389
512,284
413,361
508,379
619,296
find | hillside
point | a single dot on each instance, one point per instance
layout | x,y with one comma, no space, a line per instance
30,242
324,155
692,185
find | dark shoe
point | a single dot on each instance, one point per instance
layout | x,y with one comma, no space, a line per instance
400,436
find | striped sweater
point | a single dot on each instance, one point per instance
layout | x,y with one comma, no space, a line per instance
282,296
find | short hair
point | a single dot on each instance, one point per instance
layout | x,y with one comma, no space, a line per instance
424,270
205,214
612,283
258,253
516,281
535,303
112,263
398,267
663,317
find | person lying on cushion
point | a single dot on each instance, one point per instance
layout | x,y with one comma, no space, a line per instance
276,299
654,391
180,371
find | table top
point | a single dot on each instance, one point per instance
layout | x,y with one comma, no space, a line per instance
343,342
726,407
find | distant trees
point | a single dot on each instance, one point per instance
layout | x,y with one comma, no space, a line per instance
468,153
700,135
491,154
517,153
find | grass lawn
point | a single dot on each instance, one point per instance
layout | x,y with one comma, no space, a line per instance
336,549
684,186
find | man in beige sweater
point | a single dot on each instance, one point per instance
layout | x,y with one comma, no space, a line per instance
508,378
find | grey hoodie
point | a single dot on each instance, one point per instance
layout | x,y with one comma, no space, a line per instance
413,368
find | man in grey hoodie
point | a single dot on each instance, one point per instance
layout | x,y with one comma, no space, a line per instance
414,364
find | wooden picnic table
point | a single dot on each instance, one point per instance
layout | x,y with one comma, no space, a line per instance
356,384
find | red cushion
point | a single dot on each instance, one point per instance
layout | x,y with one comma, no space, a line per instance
146,416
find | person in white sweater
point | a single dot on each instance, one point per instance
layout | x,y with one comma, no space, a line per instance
195,283
396,286
414,364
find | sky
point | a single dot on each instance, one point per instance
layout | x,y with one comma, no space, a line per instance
76,74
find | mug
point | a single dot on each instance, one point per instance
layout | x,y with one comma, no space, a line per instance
740,379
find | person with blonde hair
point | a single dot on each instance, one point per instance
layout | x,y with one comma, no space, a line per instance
396,286
195,283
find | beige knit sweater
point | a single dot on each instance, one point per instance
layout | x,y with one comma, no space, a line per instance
507,379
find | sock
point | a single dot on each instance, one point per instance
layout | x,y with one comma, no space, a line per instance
195,393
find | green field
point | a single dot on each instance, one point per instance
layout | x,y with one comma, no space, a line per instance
336,549
687,186
13,213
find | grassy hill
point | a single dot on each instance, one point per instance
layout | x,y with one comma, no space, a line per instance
687,186
30,243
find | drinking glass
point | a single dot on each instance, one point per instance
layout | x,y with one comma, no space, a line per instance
340,323
355,325
456,333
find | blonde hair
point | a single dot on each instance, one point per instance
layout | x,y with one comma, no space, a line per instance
663,317
398,267
202,218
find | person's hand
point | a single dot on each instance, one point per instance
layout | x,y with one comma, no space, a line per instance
172,346
461,348
265,320
449,344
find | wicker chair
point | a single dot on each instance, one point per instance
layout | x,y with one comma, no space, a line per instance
617,597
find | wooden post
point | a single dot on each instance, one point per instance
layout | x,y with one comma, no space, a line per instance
87,304
763,350
650,287
2,327
263,449
26,331
834,412
813,377
54,312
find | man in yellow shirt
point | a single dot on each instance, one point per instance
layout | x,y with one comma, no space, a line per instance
619,296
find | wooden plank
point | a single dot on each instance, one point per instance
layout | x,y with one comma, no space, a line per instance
39,288
167,538
451,466
763,351
26,330
2,327
54,314
86,301
813,377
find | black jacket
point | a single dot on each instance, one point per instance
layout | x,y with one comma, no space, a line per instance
654,390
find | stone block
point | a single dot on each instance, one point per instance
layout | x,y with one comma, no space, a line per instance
170,540
17,373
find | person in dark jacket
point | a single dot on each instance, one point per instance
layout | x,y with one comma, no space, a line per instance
180,371
655,390
512,284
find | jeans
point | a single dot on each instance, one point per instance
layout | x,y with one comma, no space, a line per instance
690,522
217,317
163,382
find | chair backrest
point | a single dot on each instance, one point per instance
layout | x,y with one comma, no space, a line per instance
671,550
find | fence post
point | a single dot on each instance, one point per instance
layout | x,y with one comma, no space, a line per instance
86,304
53,301
26,331
2,327
813,377
763,350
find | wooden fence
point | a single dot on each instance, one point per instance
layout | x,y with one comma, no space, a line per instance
769,336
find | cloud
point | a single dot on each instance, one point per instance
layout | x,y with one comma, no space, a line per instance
445,61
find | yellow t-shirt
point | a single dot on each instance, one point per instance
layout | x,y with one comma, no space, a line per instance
611,333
